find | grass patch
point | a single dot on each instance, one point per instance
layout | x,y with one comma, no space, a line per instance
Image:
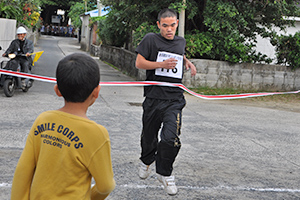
284,98
221,91
110,65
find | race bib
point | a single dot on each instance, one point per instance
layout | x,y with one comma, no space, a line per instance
174,73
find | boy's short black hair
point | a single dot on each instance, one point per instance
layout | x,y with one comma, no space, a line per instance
166,12
77,75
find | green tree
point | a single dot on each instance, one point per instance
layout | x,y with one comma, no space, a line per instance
49,8
58,3
127,15
76,9
288,49
234,26
24,11
10,9
228,28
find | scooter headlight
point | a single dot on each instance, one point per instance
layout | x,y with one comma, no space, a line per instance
12,55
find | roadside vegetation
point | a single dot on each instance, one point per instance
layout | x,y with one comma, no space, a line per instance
214,29
25,12
293,99
218,30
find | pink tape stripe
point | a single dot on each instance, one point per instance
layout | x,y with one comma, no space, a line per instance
151,83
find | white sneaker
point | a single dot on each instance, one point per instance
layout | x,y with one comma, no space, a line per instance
169,183
144,170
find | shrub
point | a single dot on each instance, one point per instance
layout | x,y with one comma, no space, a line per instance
288,49
231,47
142,30
110,34
198,45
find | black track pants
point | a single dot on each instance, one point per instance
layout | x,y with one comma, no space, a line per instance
164,114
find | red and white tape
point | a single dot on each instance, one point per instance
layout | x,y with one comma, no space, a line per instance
151,83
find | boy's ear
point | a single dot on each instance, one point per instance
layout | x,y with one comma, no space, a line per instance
57,91
96,91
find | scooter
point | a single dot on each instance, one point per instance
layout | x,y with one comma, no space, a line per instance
9,82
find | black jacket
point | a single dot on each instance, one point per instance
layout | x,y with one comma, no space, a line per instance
14,47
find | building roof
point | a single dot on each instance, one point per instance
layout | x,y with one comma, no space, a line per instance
94,13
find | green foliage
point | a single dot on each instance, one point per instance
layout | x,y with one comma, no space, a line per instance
61,3
11,9
111,33
209,45
75,11
31,15
95,19
178,6
127,15
219,29
142,30
230,32
26,12
288,49
231,27
206,90
198,45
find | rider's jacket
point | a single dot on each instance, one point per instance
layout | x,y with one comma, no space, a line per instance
15,47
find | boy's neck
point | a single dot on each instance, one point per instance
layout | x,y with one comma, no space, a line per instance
78,109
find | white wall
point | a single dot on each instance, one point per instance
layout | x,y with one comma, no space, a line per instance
7,33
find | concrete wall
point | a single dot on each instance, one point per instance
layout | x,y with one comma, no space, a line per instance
219,74
7,34
122,59
212,73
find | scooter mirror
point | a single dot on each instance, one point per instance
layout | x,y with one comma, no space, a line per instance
0,48
12,55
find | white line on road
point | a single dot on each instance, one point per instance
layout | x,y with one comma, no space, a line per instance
2,185
133,186
216,188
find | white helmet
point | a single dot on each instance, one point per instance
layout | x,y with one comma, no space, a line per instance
21,30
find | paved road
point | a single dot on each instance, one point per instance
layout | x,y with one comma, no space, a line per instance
230,151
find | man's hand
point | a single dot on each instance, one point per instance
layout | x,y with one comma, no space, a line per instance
3,55
27,54
169,63
190,65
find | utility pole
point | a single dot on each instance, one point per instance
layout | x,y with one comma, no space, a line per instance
181,20
85,5
99,6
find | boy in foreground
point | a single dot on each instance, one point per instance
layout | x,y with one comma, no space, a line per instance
65,149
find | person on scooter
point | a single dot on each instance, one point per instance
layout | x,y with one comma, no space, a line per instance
21,46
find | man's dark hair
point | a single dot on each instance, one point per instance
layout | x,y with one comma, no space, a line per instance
166,12
77,75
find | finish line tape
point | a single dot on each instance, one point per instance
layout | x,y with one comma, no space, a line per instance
151,83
